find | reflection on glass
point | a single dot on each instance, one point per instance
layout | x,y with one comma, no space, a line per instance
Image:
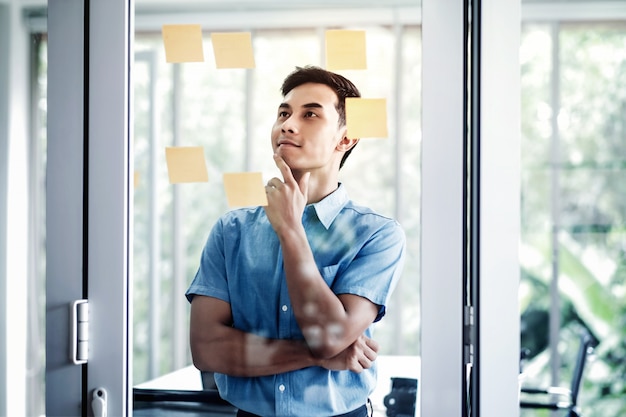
230,113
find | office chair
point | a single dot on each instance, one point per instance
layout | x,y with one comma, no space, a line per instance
560,398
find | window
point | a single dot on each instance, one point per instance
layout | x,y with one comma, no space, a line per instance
574,206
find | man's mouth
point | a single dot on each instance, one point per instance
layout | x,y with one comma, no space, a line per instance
286,142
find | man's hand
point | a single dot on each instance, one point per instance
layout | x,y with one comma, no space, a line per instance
356,358
286,199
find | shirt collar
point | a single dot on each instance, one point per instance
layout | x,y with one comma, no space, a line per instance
329,207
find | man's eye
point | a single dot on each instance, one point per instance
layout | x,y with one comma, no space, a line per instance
283,114
310,114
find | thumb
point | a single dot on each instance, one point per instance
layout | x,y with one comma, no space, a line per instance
303,184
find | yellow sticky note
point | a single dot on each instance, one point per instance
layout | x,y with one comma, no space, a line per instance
345,49
366,117
186,164
183,43
233,50
136,179
244,189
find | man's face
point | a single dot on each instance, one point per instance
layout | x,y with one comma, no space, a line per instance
306,131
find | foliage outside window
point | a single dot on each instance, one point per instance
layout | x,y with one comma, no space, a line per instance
574,191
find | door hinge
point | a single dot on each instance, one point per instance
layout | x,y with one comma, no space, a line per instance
469,334
79,331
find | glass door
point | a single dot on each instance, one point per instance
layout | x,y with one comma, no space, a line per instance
229,113
88,208
65,251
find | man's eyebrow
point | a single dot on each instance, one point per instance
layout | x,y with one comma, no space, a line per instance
306,106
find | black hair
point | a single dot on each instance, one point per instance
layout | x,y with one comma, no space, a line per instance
339,84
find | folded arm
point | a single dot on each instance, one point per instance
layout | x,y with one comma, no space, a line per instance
330,323
218,347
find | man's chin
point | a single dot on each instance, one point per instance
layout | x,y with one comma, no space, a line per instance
292,161
289,160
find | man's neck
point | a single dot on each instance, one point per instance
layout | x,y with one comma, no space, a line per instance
319,187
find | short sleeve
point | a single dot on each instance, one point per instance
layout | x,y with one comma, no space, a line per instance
375,270
210,279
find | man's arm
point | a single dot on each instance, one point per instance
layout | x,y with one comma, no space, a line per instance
330,323
217,346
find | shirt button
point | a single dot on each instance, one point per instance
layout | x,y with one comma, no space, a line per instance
284,308
281,388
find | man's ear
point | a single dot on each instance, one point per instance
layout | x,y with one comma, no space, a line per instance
345,144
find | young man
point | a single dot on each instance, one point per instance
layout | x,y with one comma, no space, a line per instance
285,296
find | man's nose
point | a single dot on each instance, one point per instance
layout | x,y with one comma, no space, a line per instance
289,126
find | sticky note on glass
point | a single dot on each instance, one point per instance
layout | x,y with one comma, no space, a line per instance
233,50
186,164
244,189
136,179
366,117
345,49
183,43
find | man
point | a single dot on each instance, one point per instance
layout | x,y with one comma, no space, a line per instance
285,296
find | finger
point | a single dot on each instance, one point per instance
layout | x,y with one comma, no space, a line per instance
355,366
274,183
365,363
284,169
372,344
370,354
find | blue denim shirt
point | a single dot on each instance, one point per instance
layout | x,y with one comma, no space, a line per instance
356,251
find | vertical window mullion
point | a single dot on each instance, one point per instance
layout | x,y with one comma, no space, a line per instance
154,233
555,166
249,110
179,339
398,32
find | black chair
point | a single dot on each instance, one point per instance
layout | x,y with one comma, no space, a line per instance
560,398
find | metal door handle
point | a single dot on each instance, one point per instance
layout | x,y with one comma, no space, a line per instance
99,402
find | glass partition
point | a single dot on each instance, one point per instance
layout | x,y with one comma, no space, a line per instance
229,113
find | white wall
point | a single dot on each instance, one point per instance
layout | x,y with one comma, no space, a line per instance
441,293
499,320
